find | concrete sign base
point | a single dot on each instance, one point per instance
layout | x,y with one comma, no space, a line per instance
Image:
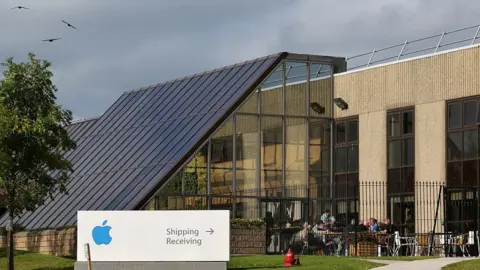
152,265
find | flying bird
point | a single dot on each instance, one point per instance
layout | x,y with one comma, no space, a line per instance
69,25
20,7
51,39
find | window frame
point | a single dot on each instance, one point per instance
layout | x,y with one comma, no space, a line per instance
462,129
346,194
402,138
346,145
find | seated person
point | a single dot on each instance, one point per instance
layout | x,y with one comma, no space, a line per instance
318,226
389,228
327,219
364,226
373,225
350,227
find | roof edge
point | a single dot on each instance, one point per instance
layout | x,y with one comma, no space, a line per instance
200,142
408,59
201,73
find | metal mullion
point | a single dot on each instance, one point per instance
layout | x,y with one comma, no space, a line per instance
332,130
283,129
307,139
259,147
234,167
209,180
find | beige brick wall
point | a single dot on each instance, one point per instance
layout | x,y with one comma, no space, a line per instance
429,79
372,164
425,83
61,242
247,240
429,161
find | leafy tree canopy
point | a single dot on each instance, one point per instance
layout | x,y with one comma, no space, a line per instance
33,137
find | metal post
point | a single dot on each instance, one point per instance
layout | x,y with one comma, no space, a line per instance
477,195
476,35
234,165
288,71
259,151
401,51
307,143
445,221
284,135
318,73
332,133
435,222
440,41
182,178
371,57
209,182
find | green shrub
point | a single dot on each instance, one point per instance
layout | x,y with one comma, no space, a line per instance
247,222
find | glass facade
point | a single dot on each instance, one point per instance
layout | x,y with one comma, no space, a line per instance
272,157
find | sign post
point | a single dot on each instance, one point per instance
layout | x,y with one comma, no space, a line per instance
154,239
87,256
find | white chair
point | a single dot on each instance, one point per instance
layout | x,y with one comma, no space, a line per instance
398,244
465,247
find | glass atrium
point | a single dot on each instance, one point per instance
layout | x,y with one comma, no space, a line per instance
272,155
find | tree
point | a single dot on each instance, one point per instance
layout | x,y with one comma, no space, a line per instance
33,139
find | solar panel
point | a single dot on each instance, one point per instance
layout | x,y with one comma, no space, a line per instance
142,138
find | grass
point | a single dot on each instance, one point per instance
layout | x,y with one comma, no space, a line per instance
32,261
403,258
264,262
466,265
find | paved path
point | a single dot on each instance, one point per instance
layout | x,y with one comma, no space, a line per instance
430,264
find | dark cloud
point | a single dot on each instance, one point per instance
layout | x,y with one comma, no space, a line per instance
122,45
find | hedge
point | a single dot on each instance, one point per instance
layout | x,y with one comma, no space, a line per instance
247,222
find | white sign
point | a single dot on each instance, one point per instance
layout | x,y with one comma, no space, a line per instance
162,236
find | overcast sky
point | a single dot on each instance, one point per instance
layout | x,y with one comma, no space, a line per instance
121,45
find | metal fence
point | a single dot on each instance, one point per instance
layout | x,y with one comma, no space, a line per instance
421,218
411,48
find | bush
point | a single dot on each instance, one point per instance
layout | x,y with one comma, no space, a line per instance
247,222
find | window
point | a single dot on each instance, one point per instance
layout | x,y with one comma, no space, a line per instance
401,151
222,149
462,142
401,168
346,169
272,140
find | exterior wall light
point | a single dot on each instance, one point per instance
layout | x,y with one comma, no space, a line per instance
317,108
340,103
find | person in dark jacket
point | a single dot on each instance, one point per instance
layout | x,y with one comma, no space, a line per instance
350,227
363,227
389,228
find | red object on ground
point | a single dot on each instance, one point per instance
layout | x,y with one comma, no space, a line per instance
289,259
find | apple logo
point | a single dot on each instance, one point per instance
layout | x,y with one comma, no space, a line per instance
101,234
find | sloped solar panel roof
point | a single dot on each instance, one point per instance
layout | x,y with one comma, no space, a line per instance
138,143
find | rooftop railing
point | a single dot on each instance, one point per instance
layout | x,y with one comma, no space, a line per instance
411,48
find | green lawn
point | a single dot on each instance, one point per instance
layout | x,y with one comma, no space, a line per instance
33,261
264,262
466,265
403,258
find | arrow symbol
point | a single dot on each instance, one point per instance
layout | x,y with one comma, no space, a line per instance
211,231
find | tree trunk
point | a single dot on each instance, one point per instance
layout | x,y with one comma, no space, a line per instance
11,247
